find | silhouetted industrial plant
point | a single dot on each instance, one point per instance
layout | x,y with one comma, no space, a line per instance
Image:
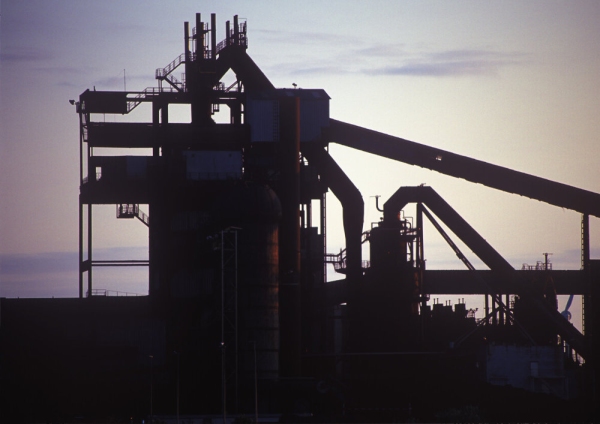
240,322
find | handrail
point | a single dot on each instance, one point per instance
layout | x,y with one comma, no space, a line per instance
163,72
228,89
221,46
175,83
143,217
105,292
129,210
539,266
339,259
242,39
141,96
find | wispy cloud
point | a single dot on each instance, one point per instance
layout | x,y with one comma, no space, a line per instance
447,63
117,80
336,55
296,38
24,56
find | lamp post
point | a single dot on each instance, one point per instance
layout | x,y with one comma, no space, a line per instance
255,386
151,366
223,383
177,353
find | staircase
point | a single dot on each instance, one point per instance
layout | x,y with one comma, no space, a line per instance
133,102
164,74
129,211
339,259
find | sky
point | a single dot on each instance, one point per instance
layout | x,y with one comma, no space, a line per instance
512,83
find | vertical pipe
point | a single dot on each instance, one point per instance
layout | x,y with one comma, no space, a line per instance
592,313
585,240
420,269
347,193
199,36
227,34
223,353
177,387
186,49
213,35
164,114
324,232
420,247
236,31
235,282
80,248
154,208
186,38
586,300
81,140
155,128
89,249
500,310
421,255
289,291
302,216
255,386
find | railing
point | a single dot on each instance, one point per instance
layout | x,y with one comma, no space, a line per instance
175,83
128,210
539,266
104,292
148,92
228,89
339,259
143,217
220,86
163,72
242,39
221,46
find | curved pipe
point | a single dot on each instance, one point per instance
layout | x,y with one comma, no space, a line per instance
485,252
350,198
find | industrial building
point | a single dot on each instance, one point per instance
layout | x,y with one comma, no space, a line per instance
240,321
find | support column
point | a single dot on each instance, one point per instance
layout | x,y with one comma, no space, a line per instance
199,47
585,263
591,329
421,255
213,35
289,286
89,242
80,248
323,204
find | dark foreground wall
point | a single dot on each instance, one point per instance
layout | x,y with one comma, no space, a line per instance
60,358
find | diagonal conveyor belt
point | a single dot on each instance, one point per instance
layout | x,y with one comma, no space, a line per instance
477,171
